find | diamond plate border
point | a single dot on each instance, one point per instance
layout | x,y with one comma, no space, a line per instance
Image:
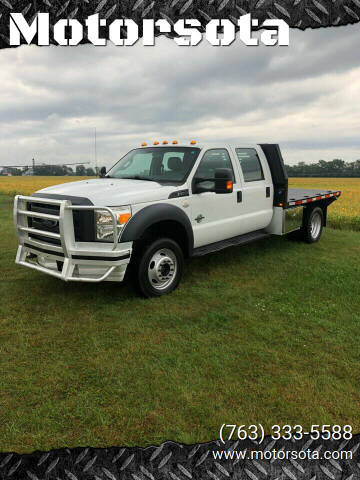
182,462
297,13
172,460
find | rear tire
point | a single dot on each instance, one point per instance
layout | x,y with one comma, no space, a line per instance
312,225
159,267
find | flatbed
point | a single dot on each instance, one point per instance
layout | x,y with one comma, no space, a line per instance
300,196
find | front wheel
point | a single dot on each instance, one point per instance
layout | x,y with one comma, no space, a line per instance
159,269
313,225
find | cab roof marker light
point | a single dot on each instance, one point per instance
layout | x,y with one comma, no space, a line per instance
193,142
156,143
175,142
165,142
143,144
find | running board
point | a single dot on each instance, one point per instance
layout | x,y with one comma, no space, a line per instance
230,242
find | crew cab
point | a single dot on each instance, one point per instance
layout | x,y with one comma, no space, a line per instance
159,205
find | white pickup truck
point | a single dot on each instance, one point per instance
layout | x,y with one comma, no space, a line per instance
160,204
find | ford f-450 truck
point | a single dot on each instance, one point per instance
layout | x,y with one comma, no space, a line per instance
161,204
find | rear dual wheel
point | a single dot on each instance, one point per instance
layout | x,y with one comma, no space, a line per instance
312,225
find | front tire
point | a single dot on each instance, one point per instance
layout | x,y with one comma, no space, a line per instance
159,268
313,225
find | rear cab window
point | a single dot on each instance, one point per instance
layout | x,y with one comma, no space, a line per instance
250,164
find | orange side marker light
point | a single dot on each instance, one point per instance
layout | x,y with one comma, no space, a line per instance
124,217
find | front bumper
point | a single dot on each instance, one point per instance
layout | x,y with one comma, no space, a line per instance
68,260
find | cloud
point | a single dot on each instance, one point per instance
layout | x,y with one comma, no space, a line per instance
305,97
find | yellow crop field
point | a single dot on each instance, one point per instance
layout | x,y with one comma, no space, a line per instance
342,214
28,185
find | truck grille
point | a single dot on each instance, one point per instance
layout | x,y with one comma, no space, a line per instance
83,223
44,224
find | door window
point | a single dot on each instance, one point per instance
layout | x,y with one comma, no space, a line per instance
213,159
250,164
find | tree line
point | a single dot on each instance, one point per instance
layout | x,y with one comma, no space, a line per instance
53,171
332,168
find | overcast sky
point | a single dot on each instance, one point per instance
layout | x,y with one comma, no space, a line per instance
305,97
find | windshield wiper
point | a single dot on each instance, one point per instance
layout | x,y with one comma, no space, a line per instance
136,177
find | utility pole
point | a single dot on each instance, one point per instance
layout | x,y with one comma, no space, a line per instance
33,166
96,164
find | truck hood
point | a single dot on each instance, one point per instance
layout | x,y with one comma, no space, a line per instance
112,191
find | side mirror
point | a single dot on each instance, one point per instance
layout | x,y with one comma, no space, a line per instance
102,172
223,180
203,185
222,183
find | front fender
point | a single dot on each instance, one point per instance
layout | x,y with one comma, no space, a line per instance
152,214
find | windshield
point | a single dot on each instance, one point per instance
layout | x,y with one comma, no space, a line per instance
158,164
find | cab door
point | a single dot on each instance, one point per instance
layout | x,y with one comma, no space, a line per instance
214,217
257,189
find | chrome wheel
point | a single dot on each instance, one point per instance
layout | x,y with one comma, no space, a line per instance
316,223
162,269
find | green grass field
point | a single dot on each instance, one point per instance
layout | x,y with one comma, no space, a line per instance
267,333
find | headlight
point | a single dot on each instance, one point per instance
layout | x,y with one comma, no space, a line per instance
104,222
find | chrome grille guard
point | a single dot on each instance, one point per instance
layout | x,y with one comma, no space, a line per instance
68,246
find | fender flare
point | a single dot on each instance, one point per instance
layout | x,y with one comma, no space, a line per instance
152,214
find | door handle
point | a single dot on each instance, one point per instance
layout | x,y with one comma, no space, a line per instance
267,192
239,196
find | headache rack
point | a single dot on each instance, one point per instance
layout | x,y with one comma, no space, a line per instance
60,242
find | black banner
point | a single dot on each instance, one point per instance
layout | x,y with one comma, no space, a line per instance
203,461
297,13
